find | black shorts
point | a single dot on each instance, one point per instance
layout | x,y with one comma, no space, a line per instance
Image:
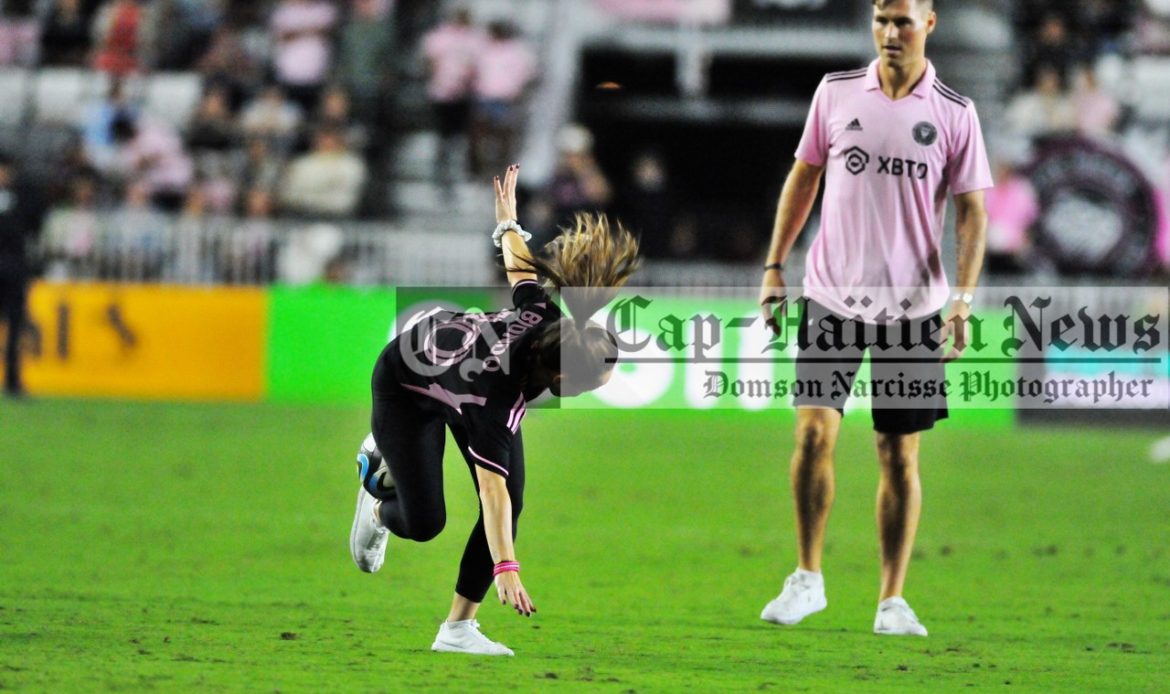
907,383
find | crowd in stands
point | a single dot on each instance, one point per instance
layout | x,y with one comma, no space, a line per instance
1063,45
477,82
290,101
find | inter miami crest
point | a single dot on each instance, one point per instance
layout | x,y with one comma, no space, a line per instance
925,134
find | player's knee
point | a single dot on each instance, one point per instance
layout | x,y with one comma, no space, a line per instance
813,439
898,455
425,527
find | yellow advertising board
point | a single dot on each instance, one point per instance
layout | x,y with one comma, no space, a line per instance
152,341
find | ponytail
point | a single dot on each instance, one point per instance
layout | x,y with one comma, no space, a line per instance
593,260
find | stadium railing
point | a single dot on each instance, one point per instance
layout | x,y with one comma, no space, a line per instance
141,246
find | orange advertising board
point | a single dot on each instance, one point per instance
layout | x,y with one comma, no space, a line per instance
152,342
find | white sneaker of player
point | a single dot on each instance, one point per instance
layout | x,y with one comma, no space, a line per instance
803,594
367,538
465,637
895,618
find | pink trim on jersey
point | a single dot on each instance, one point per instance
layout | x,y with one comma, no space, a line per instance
452,400
889,167
516,414
485,461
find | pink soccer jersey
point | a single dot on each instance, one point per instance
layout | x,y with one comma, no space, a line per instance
889,166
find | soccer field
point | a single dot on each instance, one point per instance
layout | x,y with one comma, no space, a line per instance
204,548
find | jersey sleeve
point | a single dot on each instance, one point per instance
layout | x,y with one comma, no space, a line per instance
814,143
967,168
528,294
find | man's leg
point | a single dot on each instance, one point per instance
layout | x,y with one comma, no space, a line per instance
811,472
813,484
899,503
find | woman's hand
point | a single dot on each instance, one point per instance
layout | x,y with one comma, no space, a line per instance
506,195
511,592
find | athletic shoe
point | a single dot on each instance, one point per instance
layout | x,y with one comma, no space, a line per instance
465,637
367,538
803,594
895,618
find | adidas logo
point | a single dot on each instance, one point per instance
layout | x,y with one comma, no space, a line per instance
855,125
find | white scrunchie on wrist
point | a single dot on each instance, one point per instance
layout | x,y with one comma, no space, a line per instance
510,225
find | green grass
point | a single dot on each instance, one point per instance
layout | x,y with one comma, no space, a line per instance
203,548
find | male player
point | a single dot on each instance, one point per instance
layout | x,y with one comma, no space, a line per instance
891,141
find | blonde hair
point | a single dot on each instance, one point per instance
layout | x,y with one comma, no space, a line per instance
593,259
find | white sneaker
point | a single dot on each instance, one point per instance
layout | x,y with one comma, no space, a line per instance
894,617
803,594
465,637
367,538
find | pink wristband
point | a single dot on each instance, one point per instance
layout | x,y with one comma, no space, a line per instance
505,567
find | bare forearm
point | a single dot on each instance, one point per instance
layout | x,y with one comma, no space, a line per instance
497,524
796,203
971,233
516,253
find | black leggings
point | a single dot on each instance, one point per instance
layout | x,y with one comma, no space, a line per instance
411,441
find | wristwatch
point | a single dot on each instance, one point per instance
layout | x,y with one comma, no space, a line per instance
966,297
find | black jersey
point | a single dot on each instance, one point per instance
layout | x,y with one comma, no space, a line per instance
472,367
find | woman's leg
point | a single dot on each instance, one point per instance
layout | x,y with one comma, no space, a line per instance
411,443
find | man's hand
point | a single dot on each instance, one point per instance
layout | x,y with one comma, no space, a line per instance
955,324
773,300
506,195
511,592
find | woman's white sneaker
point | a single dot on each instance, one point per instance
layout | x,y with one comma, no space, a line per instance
367,537
895,618
465,637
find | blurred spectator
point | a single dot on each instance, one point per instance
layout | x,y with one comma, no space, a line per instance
151,157
71,232
65,39
1012,209
228,62
1153,27
504,67
21,212
192,241
578,184
646,204
333,112
365,55
248,257
212,127
122,36
272,117
135,240
1097,111
1051,48
262,167
325,182
301,36
1043,109
19,33
185,28
309,253
97,125
450,51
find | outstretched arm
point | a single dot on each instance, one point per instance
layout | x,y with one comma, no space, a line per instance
796,202
516,253
497,525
